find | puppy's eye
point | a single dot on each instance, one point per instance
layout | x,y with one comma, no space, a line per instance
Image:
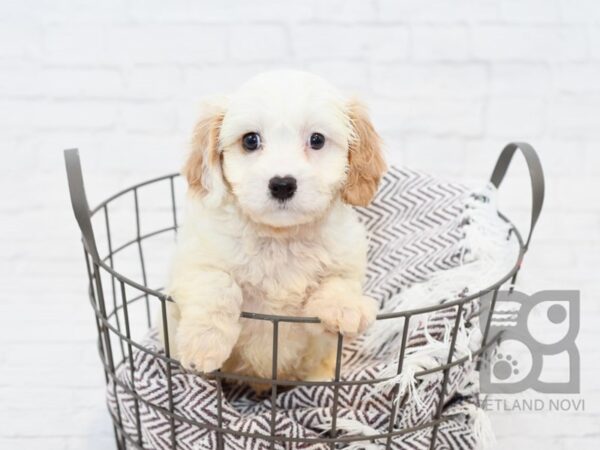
317,141
251,141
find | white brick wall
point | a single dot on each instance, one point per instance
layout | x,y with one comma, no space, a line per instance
448,81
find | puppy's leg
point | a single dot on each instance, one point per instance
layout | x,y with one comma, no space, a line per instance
318,363
209,304
341,306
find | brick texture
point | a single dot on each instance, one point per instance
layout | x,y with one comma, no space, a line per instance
448,83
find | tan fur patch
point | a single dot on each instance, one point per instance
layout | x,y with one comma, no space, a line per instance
204,154
366,163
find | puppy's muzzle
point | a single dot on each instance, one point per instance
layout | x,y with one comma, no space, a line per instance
282,188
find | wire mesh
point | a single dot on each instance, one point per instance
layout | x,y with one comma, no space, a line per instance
123,310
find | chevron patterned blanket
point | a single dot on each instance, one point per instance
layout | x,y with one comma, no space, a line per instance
428,243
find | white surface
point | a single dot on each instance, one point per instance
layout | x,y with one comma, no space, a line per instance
448,83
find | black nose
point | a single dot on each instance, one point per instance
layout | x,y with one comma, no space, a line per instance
282,188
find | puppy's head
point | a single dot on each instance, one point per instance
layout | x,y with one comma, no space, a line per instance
284,147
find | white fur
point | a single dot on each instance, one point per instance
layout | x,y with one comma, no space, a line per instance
286,108
241,250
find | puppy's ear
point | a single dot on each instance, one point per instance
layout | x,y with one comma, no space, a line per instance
202,168
365,158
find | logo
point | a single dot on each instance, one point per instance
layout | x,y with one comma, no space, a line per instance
537,334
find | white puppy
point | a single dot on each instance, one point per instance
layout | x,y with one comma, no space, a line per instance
269,228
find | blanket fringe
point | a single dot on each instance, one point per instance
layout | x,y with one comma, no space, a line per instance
482,427
428,357
484,257
406,380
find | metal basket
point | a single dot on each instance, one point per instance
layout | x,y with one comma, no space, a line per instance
121,304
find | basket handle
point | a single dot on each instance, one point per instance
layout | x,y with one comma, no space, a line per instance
79,202
536,175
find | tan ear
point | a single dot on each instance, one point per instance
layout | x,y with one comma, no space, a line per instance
202,168
365,159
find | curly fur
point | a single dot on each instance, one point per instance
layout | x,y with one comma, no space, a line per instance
239,249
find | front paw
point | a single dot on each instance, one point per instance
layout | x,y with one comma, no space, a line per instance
204,349
349,316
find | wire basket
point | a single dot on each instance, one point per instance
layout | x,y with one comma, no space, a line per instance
123,306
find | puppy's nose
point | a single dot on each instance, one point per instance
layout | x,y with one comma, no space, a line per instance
282,188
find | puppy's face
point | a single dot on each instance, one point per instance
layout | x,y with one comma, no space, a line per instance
285,146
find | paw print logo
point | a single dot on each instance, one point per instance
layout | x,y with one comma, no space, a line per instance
533,329
505,367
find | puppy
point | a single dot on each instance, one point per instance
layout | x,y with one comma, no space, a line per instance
269,228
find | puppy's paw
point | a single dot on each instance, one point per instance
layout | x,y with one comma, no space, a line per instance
348,315
204,349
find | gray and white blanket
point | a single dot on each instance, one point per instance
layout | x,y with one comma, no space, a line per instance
429,241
